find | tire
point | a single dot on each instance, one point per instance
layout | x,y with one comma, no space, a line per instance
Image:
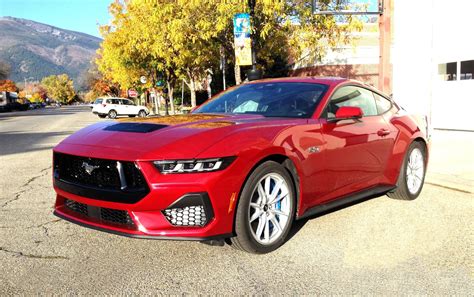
112,114
142,114
102,116
259,228
406,188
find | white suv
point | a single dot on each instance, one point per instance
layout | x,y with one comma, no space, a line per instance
113,107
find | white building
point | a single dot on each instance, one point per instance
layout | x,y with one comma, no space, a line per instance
432,56
433,60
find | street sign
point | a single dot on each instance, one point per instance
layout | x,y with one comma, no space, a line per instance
132,93
242,41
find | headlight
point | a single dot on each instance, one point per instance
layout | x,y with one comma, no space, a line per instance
194,165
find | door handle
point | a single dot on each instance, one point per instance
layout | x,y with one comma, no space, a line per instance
383,132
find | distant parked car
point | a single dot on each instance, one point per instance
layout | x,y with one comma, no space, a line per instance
36,105
9,101
113,107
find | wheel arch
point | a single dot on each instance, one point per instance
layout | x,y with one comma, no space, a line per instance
424,143
291,168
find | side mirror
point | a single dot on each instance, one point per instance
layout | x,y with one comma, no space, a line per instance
348,112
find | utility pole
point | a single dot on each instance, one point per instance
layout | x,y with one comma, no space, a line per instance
385,7
222,52
254,73
182,95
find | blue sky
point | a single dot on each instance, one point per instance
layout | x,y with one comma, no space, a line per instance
76,15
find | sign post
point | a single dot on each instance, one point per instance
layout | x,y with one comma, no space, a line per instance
132,93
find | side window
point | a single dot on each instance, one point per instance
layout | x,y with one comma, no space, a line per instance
128,102
383,104
115,101
352,96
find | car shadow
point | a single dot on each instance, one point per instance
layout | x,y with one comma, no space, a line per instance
299,224
50,111
16,142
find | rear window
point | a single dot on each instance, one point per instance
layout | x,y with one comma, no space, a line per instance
98,101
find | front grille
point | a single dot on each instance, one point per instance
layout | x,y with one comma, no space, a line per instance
111,180
187,216
87,171
107,215
76,206
115,216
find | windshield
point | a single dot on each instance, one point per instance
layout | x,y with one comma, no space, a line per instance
270,99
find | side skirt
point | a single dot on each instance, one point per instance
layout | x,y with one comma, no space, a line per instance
346,200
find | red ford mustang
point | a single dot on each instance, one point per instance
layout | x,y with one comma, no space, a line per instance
244,165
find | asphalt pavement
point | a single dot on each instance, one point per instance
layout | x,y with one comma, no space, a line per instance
380,246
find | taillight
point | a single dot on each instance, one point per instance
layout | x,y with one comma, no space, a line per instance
104,105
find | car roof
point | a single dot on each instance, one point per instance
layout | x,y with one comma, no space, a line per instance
327,80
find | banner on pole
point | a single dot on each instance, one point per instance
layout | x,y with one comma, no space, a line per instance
242,41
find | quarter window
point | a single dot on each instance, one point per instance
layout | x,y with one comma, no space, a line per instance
383,104
352,96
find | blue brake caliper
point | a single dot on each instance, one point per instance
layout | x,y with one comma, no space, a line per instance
278,206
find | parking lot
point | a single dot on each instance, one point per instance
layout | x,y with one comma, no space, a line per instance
379,246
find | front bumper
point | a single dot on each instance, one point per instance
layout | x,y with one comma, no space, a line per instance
138,236
148,216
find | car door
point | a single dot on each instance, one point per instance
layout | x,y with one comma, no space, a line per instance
114,104
121,107
356,150
130,107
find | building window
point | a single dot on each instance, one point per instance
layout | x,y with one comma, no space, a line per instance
447,71
467,69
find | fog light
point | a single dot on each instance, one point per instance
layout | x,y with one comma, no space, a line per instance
188,216
191,210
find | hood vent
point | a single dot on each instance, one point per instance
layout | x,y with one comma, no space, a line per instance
134,127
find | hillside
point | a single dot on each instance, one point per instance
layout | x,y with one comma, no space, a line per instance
35,50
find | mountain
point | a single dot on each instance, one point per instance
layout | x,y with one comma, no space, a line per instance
35,50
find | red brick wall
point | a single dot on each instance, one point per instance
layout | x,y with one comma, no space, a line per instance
367,73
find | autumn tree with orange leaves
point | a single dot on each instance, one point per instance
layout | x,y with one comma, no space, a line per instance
8,86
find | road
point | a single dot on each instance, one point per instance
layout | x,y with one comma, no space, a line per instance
379,246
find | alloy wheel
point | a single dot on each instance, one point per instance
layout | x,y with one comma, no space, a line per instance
270,208
415,171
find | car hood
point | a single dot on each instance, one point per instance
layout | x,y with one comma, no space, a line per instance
170,137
